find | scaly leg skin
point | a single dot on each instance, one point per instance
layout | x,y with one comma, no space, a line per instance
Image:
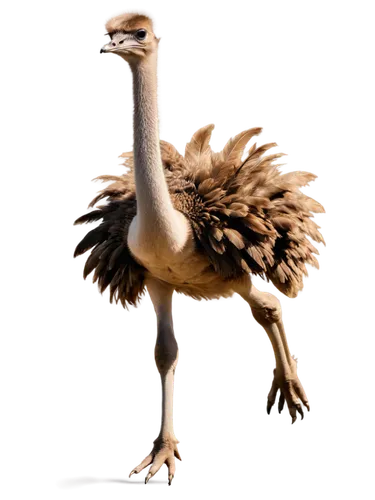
166,356
267,312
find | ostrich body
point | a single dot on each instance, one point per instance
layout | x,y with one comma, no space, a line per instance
199,225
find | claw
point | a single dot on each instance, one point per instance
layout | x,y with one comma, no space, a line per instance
281,402
149,475
292,419
179,456
270,406
307,406
281,410
300,411
132,472
170,477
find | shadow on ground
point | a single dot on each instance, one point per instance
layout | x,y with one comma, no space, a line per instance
113,482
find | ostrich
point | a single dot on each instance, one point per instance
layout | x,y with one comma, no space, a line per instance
198,224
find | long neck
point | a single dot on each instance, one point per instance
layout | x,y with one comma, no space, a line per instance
154,207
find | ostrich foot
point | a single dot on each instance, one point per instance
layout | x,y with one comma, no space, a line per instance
164,452
291,390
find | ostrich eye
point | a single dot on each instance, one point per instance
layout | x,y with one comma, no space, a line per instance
141,34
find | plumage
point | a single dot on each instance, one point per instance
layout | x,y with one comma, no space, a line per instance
110,257
246,216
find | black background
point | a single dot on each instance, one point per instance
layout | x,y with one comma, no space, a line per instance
234,65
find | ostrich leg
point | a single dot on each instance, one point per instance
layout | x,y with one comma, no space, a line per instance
267,312
166,356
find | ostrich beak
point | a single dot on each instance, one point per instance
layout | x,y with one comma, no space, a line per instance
106,50
118,45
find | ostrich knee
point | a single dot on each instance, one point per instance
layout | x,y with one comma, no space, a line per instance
266,309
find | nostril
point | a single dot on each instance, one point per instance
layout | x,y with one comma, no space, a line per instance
113,44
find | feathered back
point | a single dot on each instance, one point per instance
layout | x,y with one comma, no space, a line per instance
246,216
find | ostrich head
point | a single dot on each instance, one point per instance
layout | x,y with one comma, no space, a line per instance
132,37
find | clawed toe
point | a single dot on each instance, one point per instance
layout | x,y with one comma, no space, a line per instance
281,402
296,414
291,391
135,474
147,461
164,452
270,405
276,405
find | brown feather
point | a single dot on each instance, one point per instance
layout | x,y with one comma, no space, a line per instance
92,261
216,245
199,147
234,148
255,254
234,237
115,255
92,238
217,233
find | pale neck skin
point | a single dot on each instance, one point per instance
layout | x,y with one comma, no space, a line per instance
157,222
